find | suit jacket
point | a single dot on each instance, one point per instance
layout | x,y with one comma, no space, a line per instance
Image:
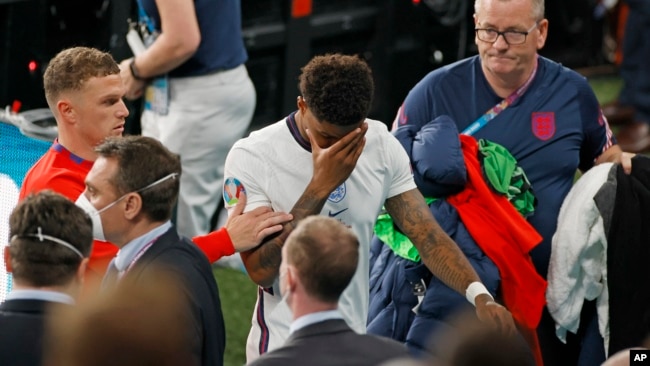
21,331
332,342
628,254
180,257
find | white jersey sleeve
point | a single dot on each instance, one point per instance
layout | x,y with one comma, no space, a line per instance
243,168
399,166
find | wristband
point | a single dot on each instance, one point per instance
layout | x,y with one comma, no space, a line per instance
474,289
135,72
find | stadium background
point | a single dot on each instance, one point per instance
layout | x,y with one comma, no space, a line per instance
401,39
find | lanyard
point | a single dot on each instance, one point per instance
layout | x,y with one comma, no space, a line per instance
494,111
143,17
137,256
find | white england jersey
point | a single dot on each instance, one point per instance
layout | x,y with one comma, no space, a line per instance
275,165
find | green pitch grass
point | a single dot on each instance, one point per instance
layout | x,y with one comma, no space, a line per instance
238,294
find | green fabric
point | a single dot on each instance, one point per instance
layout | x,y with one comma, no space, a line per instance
389,234
503,175
498,165
506,177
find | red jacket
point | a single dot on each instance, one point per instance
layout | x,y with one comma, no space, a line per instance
507,238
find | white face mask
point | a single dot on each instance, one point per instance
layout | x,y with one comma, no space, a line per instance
95,214
98,229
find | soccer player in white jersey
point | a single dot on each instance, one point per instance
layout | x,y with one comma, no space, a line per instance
327,158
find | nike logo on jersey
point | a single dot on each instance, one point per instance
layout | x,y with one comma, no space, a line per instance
334,214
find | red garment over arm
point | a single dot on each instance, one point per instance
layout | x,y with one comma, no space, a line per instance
215,245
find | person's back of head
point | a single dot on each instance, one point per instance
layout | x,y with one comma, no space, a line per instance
325,254
127,325
51,239
337,88
147,167
72,67
469,342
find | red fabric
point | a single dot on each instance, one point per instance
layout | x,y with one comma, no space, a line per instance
58,170
63,172
506,238
301,8
215,245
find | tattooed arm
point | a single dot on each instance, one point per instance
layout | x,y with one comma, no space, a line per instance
441,255
332,166
438,252
263,262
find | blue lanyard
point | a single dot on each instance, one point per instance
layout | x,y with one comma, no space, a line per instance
143,17
494,111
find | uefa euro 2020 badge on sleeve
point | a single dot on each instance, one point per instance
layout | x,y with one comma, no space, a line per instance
232,191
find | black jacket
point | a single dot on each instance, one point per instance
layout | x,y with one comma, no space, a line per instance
332,342
21,331
180,257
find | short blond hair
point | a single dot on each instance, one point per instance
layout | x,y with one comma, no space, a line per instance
72,67
325,253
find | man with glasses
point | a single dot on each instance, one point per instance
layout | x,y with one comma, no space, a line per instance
546,115
512,37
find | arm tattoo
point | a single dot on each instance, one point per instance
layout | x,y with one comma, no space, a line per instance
438,252
263,262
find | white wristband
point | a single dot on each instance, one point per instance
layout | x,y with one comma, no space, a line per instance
474,289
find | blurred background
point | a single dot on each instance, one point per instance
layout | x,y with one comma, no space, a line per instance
401,39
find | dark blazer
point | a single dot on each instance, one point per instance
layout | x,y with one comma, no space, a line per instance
182,258
628,254
332,342
21,331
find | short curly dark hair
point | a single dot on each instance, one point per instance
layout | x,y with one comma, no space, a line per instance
337,88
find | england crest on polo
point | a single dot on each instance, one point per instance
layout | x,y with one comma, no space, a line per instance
543,125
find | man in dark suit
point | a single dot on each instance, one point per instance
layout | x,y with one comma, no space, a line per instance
319,258
130,193
47,254
121,325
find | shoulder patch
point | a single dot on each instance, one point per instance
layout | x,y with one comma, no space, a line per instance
232,188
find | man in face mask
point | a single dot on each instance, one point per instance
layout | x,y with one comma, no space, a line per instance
84,90
130,193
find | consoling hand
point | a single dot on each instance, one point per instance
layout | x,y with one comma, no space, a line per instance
247,230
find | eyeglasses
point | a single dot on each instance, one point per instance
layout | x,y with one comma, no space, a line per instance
511,37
